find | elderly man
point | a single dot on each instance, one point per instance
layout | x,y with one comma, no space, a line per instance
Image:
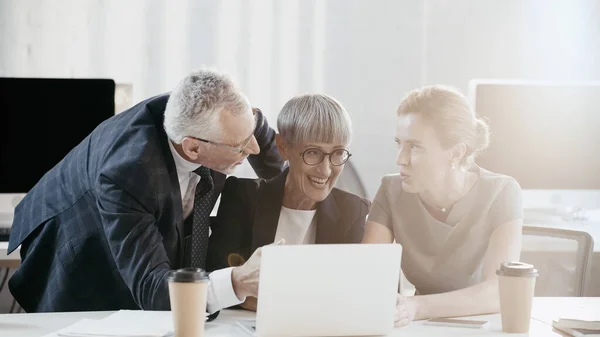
102,229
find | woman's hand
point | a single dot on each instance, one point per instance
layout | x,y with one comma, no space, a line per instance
250,303
406,310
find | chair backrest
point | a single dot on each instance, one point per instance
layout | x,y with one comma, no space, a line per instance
350,181
561,256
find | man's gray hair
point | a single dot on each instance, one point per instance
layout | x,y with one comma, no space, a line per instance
314,118
195,104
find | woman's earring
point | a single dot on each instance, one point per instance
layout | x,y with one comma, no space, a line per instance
453,165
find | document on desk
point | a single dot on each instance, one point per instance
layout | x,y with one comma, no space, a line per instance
125,323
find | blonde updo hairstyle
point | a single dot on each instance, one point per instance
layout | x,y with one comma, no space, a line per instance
453,118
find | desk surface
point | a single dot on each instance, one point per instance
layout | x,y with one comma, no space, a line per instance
544,311
11,261
4,250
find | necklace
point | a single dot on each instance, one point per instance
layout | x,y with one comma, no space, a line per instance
444,209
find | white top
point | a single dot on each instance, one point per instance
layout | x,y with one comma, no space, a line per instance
220,289
439,257
297,227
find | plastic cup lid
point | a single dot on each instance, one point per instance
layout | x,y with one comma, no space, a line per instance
188,275
516,269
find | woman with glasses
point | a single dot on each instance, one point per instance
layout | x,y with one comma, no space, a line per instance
300,206
456,222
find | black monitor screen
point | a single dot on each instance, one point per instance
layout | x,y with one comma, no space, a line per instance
42,120
547,136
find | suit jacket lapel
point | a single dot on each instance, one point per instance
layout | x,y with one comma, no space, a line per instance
268,207
219,182
157,108
174,180
175,197
330,229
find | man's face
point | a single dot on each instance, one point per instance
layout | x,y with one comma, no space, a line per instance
222,152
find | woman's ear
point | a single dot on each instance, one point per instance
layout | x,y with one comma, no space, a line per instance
282,147
458,154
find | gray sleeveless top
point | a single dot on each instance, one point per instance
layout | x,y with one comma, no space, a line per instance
440,257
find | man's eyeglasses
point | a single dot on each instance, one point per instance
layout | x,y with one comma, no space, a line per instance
234,149
315,156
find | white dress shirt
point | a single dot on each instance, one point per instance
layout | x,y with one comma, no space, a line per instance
297,227
220,289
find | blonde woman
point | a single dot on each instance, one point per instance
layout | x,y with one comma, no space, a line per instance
456,221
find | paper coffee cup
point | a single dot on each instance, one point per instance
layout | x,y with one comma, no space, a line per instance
516,285
187,293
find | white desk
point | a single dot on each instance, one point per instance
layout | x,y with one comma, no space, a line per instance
11,261
544,310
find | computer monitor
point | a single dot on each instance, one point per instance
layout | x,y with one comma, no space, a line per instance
544,134
42,120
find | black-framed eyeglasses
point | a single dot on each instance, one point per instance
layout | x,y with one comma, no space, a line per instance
234,149
314,156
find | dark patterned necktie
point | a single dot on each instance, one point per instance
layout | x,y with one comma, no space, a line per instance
201,218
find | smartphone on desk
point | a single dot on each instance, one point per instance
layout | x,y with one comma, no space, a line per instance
457,322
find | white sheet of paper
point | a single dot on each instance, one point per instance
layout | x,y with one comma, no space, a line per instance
124,323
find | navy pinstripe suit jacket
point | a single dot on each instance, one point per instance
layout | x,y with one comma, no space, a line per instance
101,230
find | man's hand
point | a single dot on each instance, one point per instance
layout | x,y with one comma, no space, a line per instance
245,277
406,310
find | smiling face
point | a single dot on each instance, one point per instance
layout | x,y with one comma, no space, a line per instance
314,133
309,184
423,161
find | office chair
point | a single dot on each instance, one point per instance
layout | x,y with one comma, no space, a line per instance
350,181
562,257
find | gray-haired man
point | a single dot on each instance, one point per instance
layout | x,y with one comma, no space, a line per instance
101,230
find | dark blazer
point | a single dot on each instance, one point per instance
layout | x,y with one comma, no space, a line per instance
101,230
249,212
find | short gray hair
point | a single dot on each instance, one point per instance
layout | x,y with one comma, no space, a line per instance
314,118
195,104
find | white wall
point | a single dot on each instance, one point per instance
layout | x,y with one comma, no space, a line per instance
533,39
366,53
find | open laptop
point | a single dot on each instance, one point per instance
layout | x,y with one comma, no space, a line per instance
327,290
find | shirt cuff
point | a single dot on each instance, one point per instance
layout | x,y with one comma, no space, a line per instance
220,291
